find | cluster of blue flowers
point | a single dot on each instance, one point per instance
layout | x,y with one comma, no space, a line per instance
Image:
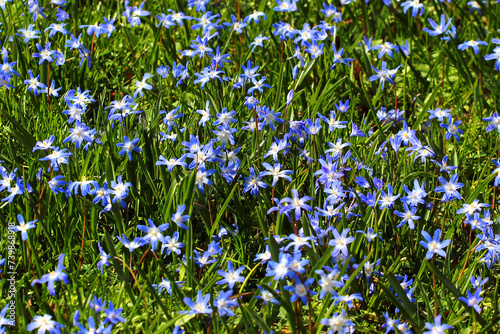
324,217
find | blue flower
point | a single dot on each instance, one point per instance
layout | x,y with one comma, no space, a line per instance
276,172
474,6
337,323
202,175
497,172
44,323
297,204
443,165
255,16
249,72
437,327
179,219
84,186
338,59
258,85
205,22
206,75
8,68
120,190
163,71
387,199
251,102
369,199
57,157
439,114
438,29
314,49
92,328
177,17
495,121
113,315
28,33
85,55
54,276
333,122
18,189
107,27
73,42
45,145
405,48
452,129
472,44
200,5
301,290
133,14
475,222
231,276
225,117
131,245
104,258
172,244
356,131
235,24
258,41
170,117
286,6
330,10
370,236
384,74
2,5
52,90
473,300
80,133
477,282
219,59
230,171
171,163
279,269
61,15
201,48
225,135
269,117
3,320
23,227
254,182
128,147
165,20
142,85
347,299
201,306
313,127
33,83
340,242
434,245
386,48
415,5
97,304
266,296
93,29
153,233
409,216
449,188
36,10
224,303
494,56
56,184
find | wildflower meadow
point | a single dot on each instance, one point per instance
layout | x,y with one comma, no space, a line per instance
265,166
